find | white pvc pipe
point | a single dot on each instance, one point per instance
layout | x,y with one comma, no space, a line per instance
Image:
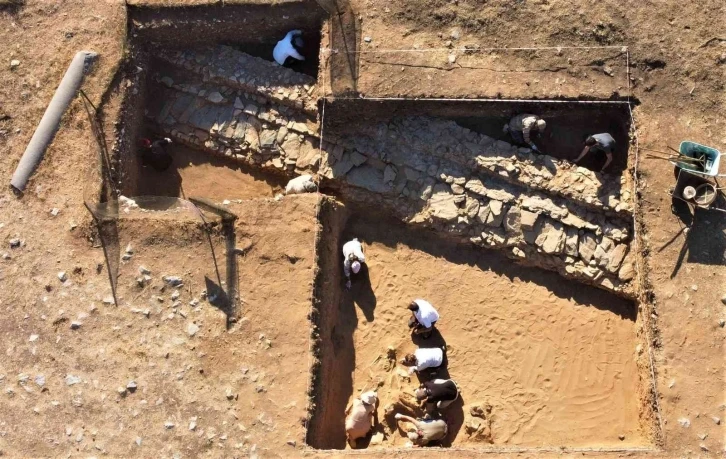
48,125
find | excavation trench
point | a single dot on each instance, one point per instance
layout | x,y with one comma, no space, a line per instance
429,183
552,360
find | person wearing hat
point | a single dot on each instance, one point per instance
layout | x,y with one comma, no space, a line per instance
423,318
602,143
521,128
289,48
352,259
359,417
438,393
424,431
154,154
424,358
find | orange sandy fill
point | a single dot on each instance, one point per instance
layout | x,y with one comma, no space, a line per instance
555,359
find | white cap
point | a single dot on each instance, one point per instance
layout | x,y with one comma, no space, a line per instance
355,266
369,398
541,124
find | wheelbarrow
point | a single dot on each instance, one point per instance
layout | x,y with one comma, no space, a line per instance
705,160
698,190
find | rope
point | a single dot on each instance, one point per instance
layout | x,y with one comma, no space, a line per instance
640,272
470,50
509,101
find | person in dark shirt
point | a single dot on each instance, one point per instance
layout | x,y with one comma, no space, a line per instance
154,154
603,143
439,393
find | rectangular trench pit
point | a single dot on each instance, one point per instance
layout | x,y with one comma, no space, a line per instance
249,29
555,360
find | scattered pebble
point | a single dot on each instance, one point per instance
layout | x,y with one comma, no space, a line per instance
194,303
138,441
33,338
71,380
62,276
717,420
671,384
226,202
694,287
452,58
703,447
292,442
621,437
131,386
14,63
75,325
193,423
723,299
109,300
229,394
192,329
15,243
54,211
684,422
702,436
121,391
174,281
722,323
144,270
367,39
6,256
169,425
175,295
40,380
260,388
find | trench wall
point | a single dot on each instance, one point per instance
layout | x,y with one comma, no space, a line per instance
211,24
330,390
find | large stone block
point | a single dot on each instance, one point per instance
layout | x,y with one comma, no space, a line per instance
442,204
586,247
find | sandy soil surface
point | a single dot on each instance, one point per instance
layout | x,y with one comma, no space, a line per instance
201,388
678,80
194,173
556,361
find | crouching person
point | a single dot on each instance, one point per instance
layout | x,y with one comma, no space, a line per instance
437,394
425,431
360,416
302,184
424,358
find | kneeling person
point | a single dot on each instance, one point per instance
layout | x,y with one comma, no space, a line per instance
423,317
352,259
359,417
424,358
425,431
603,143
439,393
288,49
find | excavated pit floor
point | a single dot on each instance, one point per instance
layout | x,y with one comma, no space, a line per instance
556,360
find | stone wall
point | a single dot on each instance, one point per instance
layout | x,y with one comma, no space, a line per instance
427,171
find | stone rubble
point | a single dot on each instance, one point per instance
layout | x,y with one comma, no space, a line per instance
539,210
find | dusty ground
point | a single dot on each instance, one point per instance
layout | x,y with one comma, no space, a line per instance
556,361
197,174
678,73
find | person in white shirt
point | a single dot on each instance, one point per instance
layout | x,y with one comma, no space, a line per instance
289,47
424,358
423,318
352,259
301,184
